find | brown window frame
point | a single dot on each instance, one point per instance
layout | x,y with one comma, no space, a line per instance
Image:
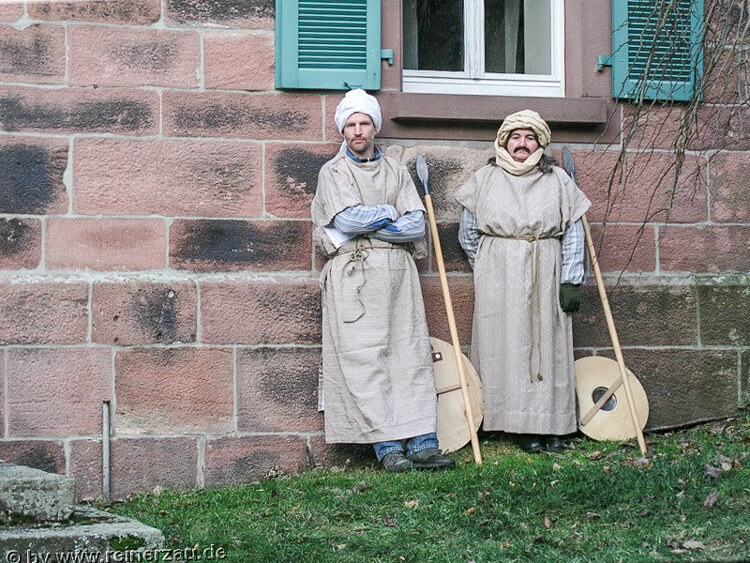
586,114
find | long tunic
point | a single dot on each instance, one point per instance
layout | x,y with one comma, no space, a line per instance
522,341
377,380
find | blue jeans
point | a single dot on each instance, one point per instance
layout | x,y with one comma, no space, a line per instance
412,445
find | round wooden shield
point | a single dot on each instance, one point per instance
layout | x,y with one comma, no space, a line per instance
594,376
452,424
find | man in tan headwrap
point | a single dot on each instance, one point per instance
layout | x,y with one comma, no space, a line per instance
377,382
522,233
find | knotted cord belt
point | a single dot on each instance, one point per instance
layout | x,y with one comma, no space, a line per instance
358,249
357,260
535,319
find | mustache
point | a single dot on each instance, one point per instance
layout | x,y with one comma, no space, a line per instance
519,149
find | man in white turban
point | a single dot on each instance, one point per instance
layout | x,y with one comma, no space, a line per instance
377,385
521,230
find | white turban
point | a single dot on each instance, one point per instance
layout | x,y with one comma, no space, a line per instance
358,101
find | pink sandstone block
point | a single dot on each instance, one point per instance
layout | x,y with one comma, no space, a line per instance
730,198
624,248
79,110
261,312
230,245
331,131
248,14
35,54
43,313
133,12
47,455
644,189
462,297
242,116
339,455
20,244
86,468
450,168
237,460
2,396
173,390
108,56
105,244
727,83
57,392
709,249
237,61
277,390
292,176
10,11
143,312
651,127
33,169
145,464
172,178
721,127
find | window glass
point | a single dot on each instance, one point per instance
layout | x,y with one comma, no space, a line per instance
495,47
434,35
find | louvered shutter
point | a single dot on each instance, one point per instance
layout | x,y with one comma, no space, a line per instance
657,49
330,45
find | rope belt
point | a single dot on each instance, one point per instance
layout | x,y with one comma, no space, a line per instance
357,261
535,319
359,252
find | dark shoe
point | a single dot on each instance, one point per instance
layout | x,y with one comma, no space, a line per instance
396,462
530,443
431,458
553,444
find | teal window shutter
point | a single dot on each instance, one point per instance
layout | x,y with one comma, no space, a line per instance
328,45
658,49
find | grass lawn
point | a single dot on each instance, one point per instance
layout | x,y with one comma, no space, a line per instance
687,500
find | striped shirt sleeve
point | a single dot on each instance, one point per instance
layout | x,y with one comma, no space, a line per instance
468,235
363,219
572,254
407,228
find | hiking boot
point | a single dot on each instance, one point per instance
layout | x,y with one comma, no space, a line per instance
431,458
553,444
395,462
530,443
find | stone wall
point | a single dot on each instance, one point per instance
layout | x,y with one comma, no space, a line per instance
155,250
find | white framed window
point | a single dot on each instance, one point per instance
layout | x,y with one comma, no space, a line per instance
484,47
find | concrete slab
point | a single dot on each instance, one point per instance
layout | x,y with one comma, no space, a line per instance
28,494
101,536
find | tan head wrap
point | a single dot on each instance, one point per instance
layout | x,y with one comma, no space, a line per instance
526,119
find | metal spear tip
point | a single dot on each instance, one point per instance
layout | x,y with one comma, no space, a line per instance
422,172
568,162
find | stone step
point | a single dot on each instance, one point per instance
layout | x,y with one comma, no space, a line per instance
28,494
88,535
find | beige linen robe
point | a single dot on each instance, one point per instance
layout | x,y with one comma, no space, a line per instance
377,380
522,342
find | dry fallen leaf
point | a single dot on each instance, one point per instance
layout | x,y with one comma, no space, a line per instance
711,500
411,503
556,467
713,472
595,455
471,510
607,469
643,463
547,522
693,544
